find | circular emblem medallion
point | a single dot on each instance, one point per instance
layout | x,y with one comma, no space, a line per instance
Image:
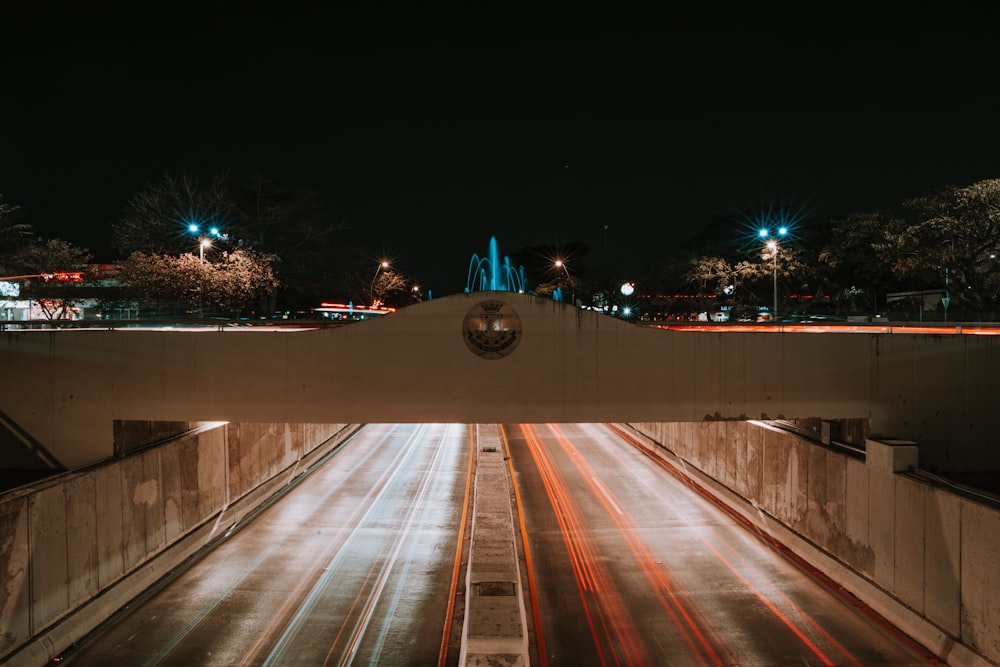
491,329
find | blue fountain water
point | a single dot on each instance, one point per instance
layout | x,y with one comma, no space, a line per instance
494,265
490,274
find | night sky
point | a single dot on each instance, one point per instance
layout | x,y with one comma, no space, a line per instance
427,144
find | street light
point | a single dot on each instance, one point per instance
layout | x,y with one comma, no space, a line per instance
559,264
205,241
384,264
772,245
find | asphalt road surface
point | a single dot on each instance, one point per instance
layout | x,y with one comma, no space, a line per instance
353,566
630,566
362,563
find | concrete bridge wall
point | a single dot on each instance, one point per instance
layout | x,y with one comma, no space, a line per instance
76,549
926,559
497,357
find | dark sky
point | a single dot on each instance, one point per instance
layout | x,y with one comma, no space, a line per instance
429,144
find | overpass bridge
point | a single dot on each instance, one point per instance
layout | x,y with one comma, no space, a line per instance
498,357
503,357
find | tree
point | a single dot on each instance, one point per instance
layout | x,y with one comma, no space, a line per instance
14,234
954,244
859,254
54,261
292,226
296,226
733,282
721,276
746,279
236,283
390,287
161,278
242,280
156,219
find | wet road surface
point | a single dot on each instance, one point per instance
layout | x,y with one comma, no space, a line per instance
361,562
354,565
632,567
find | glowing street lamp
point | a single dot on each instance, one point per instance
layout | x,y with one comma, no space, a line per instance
384,264
205,241
772,245
559,264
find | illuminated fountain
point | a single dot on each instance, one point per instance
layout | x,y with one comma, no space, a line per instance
489,274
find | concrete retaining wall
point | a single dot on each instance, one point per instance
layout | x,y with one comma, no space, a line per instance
76,549
923,557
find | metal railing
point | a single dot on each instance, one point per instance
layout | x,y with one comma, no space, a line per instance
172,323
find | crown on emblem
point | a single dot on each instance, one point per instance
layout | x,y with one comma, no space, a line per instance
492,307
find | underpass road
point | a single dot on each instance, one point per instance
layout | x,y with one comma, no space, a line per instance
355,565
631,567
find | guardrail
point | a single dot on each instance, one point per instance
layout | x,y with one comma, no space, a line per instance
933,328
163,324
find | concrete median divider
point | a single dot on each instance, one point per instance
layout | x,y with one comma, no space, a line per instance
495,631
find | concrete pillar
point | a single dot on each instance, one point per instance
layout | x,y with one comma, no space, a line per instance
890,455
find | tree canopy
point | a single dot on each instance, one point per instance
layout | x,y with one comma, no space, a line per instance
269,243
292,227
953,242
57,269
14,234
236,283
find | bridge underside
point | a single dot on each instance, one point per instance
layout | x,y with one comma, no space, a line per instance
490,357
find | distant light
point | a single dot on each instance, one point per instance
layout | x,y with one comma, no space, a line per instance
214,231
782,231
193,228
627,289
763,233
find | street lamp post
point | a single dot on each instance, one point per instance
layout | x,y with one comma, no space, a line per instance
205,241
772,245
371,290
559,264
